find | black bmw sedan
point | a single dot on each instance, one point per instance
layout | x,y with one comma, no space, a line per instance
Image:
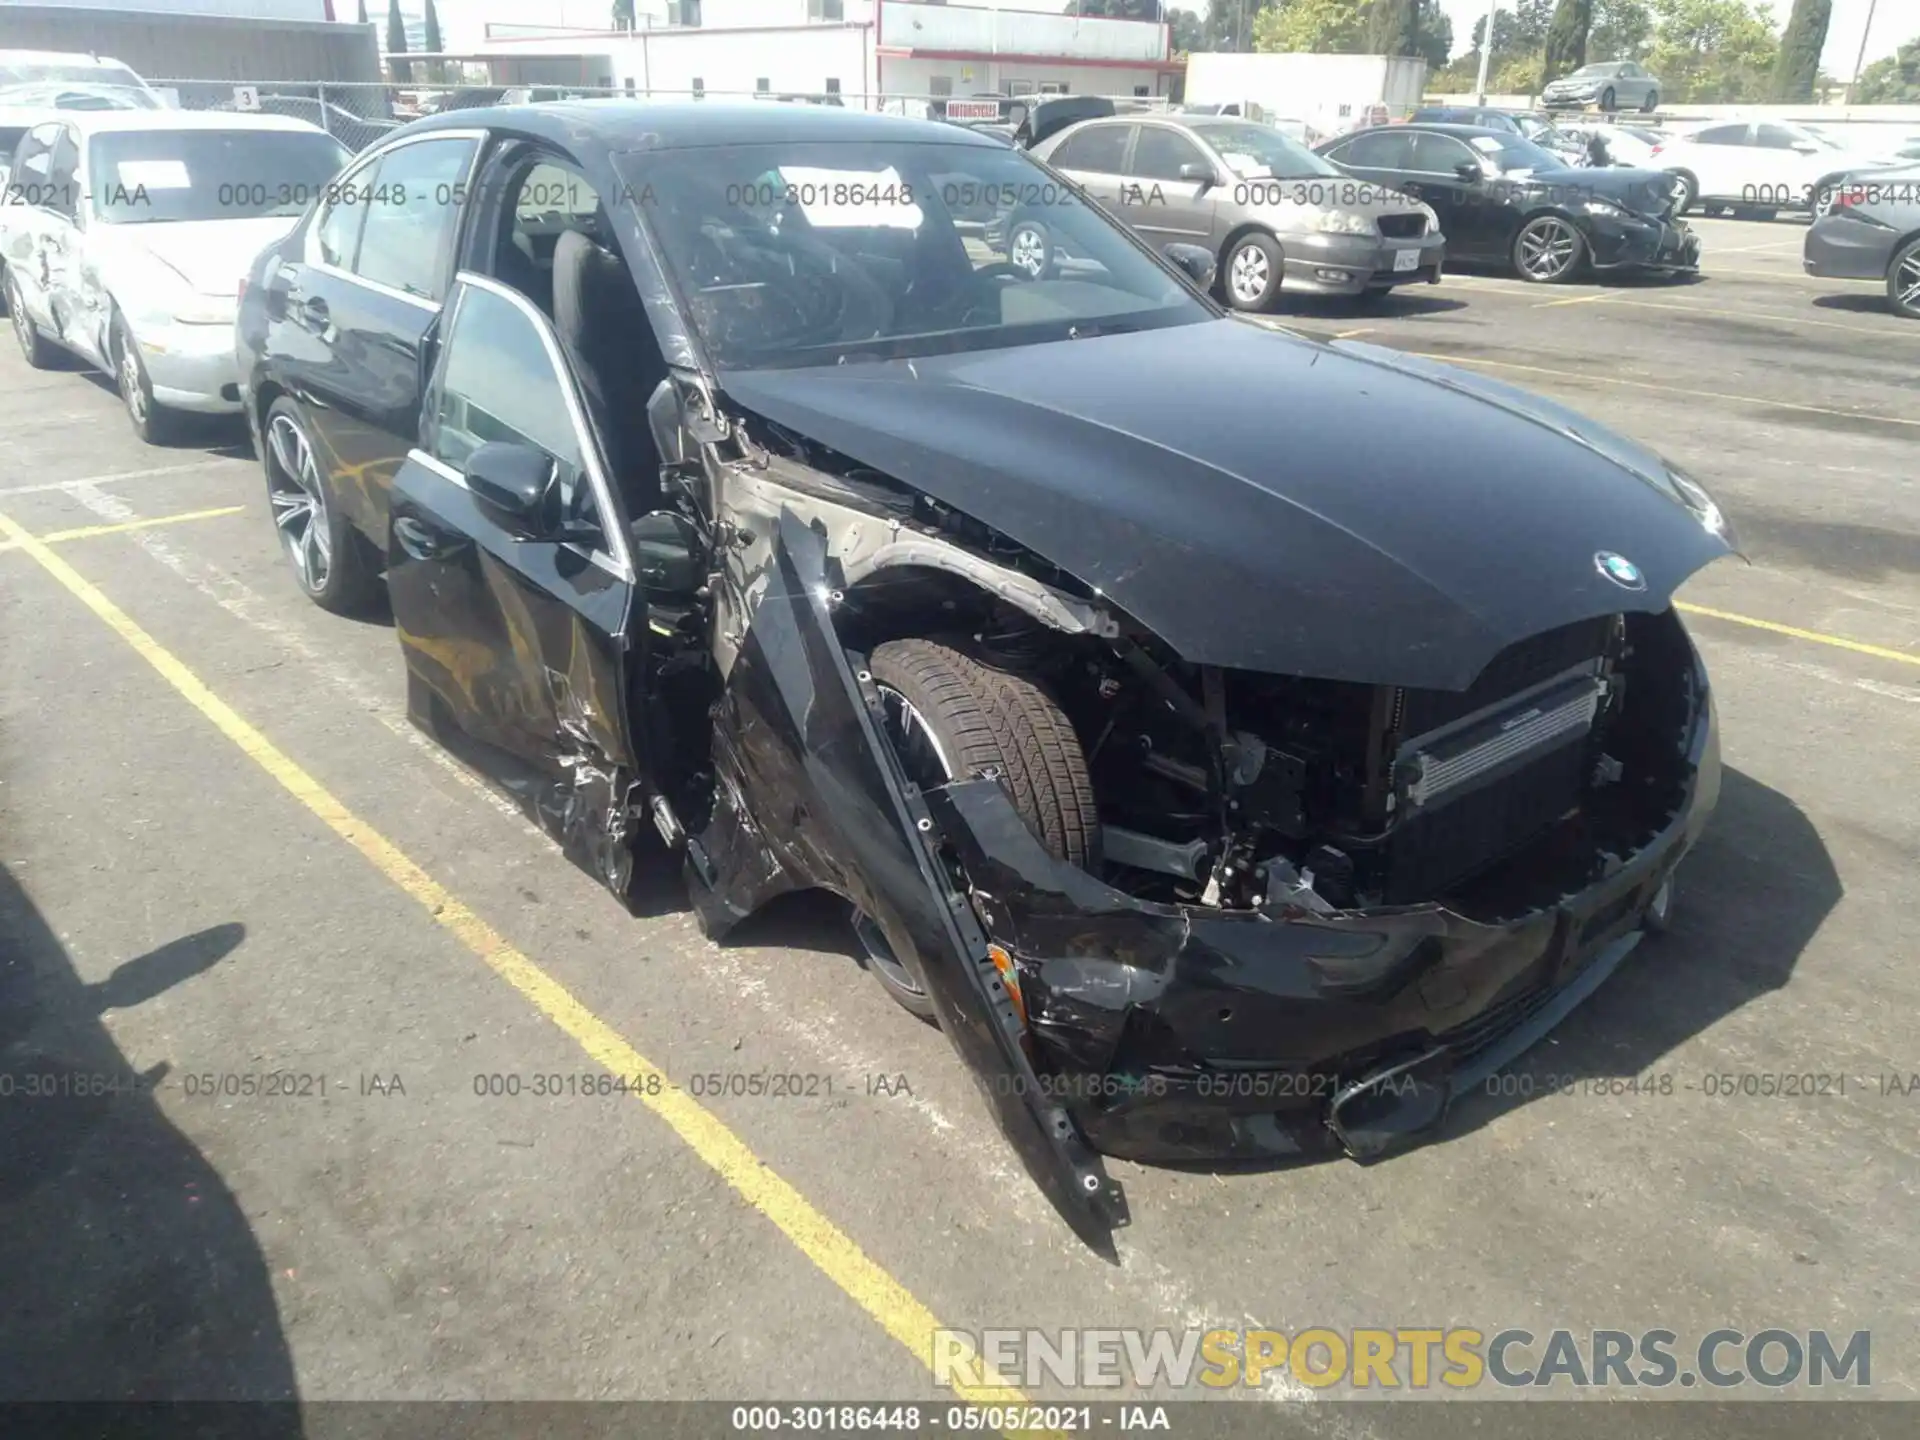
1504,200
739,512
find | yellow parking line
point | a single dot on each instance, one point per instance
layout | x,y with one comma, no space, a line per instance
1837,641
1578,300
88,532
830,1249
1664,389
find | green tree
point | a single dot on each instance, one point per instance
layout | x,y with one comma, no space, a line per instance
623,18
1393,27
1188,33
1622,30
1713,52
1436,36
436,70
397,42
1523,28
1894,80
1327,27
1230,23
1800,46
1566,47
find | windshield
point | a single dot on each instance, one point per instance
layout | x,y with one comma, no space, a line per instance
21,72
1592,72
1260,150
143,176
813,254
1516,153
78,96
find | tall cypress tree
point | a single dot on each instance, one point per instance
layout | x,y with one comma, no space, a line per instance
1567,38
1805,37
436,69
397,42
1393,27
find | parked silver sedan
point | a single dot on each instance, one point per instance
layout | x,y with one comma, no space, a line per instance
1274,214
1868,228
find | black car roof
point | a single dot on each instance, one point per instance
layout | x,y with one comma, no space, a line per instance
687,124
1444,127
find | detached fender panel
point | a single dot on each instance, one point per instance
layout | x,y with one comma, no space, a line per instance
830,806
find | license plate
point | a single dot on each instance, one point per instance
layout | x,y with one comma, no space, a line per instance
1406,260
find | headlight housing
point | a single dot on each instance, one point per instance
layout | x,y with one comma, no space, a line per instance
207,310
1601,207
1346,222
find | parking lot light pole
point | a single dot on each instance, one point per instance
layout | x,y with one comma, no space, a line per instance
1486,53
1860,58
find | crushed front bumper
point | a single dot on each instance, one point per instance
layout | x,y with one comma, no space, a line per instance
1178,1033
1634,242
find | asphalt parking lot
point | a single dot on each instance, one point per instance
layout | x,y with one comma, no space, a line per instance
223,852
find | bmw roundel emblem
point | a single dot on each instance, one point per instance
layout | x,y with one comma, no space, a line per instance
1620,570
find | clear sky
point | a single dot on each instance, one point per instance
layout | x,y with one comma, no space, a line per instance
1894,22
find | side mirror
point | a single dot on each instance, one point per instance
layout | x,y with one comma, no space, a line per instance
1469,170
510,483
668,555
1194,261
1199,173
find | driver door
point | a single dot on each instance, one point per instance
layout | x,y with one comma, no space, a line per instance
512,582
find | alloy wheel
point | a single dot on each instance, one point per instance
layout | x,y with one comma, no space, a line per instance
1248,274
132,392
1027,251
299,503
17,309
1906,282
1548,248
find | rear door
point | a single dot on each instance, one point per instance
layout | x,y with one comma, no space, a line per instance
514,631
27,217
349,324
1165,207
824,756
1721,160
63,240
1095,155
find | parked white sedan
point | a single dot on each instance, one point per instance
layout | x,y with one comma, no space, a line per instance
1757,167
126,234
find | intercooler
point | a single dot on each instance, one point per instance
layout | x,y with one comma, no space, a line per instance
1474,775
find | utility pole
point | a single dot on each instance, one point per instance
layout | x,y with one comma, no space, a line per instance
1860,58
1486,53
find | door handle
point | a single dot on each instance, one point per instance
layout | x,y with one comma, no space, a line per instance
313,310
420,542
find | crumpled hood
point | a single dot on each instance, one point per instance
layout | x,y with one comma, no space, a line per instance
1265,502
213,255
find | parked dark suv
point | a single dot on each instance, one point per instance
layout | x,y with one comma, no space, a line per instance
1229,768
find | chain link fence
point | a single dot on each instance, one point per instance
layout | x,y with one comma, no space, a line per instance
361,114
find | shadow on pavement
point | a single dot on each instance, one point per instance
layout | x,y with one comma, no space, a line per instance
128,1269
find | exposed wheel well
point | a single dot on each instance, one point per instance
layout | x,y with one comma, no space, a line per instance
1241,233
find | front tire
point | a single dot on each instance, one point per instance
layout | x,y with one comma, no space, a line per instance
950,716
1252,273
330,561
1549,250
153,422
1030,249
1651,103
1903,281
39,351
1686,190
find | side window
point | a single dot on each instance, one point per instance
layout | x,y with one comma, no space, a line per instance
32,166
63,172
336,232
411,216
1775,137
1721,135
1099,149
1387,148
500,381
1160,152
1438,154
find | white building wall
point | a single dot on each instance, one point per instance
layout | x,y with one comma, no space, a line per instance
245,9
792,61
908,25
915,76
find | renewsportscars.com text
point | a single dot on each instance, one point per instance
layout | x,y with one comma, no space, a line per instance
1406,1358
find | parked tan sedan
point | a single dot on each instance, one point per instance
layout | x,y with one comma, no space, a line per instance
1275,214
